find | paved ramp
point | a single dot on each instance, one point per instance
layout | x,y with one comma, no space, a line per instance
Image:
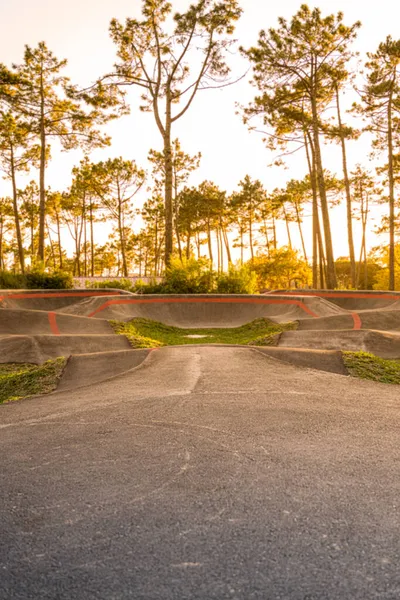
75,323
203,474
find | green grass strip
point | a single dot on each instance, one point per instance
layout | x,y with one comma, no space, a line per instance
374,368
145,333
23,380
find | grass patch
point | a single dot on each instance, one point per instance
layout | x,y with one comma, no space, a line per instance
374,368
144,333
23,380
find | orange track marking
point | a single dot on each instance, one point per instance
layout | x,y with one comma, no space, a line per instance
53,323
357,321
204,300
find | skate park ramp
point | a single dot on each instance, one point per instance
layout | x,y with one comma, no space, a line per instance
204,310
349,300
37,326
51,299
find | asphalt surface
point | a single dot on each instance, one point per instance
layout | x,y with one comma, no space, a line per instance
205,473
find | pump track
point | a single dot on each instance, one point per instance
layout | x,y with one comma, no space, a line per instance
203,471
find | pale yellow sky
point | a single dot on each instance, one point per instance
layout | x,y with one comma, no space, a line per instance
78,30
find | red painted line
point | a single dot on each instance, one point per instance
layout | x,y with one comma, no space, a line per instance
204,301
357,321
53,323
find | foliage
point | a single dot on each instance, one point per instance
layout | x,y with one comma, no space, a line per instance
12,281
144,333
189,276
153,287
171,64
343,273
240,279
118,284
52,281
23,380
282,268
382,278
36,279
134,336
368,366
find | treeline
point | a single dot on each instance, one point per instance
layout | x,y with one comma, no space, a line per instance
301,70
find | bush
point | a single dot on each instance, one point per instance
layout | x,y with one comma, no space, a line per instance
153,287
49,281
282,268
239,280
36,280
189,276
119,284
12,281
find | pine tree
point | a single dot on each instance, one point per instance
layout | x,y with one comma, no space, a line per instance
161,62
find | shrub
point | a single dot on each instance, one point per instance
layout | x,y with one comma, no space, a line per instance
119,284
12,281
189,276
239,280
282,268
49,281
153,287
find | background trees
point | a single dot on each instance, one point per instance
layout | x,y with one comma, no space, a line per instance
302,70
160,61
293,68
381,107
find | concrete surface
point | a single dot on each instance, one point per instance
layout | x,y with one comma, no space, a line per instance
204,474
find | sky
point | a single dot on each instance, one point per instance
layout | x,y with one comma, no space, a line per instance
78,31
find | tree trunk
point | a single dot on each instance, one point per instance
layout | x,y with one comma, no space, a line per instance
32,241
348,196
59,240
91,239
1,243
322,262
53,256
300,231
210,252
218,251
176,205
16,214
228,250
198,244
42,191
122,243
285,215
251,232
266,235
189,234
330,263
315,219
274,231
168,183
84,236
392,281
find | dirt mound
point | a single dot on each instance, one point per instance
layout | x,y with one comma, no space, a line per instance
322,360
19,321
332,322
39,348
86,369
384,344
50,299
353,301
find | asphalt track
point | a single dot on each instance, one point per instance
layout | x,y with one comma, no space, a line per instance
200,472
36,326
